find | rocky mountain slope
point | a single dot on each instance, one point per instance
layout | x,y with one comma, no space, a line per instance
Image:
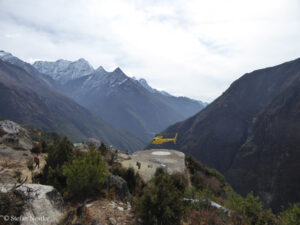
44,79
251,134
273,146
28,101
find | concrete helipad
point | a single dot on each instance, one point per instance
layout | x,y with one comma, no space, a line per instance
161,153
150,160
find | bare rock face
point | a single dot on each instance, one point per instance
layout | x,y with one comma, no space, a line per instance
94,142
119,185
10,127
43,204
12,134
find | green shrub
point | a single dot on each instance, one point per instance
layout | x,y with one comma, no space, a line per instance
217,174
44,146
103,149
49,138
30,164
162,201
59,153
267,217
205,194
194,167
12,205
290,216
36,150
251,210
18,175
133,179
197,181
85,175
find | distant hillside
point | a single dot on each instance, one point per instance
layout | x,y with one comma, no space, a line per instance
28,101
251,134
269,161
125,103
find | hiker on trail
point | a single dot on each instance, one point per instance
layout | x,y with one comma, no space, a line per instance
127,152
37,161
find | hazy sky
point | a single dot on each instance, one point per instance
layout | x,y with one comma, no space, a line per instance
187,47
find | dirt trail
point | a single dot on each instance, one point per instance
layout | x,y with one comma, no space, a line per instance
10,168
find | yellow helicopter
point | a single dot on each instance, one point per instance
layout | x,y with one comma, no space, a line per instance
160,140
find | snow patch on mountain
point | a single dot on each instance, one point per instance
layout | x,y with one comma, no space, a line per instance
8,57
3,53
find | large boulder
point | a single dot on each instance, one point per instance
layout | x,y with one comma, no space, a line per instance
93,142
43,204
9,127
119,185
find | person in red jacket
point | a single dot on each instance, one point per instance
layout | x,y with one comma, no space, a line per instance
37,161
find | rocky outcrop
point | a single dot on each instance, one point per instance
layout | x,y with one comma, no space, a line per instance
15,146
9,127
43,204
12,134
93,142
119,185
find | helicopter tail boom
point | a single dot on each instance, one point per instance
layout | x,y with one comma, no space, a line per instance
175,138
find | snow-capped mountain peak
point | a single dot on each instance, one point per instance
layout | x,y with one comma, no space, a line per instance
64,70
10,58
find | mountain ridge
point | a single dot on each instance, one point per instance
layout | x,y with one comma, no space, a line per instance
26,100
223,134
126,102
62,70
